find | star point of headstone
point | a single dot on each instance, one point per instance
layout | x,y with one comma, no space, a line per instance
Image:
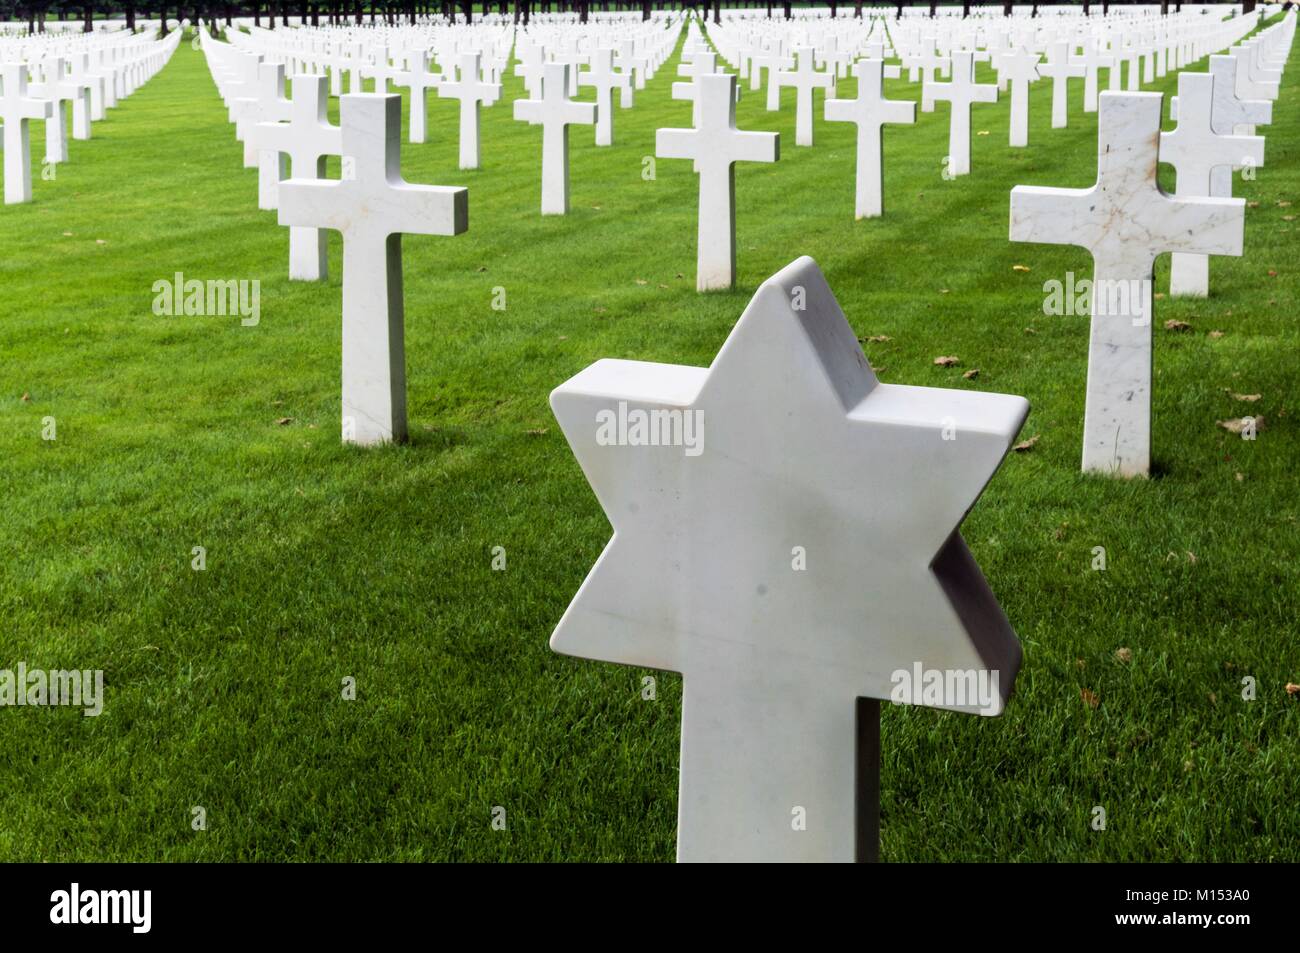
800,452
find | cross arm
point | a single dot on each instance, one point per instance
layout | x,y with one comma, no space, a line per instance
676,143
1046,215
1204,226
756,147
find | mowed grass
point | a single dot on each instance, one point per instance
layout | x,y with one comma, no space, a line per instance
324,561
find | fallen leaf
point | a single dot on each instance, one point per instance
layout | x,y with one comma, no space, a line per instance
1024,445
1272,273
1241,477
642,281
973,373
1019,267
879,339
1238,424
1283,203
1030,331
1288,218
1124,654
536,432
1159,295
1091,699
1248,398
1216,334
100,241
680,275
943,291
946,360
982,132
1252,205
26,397
1173,325
1292,689
482,268
283,421
1060,531
67,234
602,310
1191,557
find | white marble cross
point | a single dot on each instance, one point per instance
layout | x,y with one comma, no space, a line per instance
777,63
605,80
805,78
1092,62
929,67
717,145
1059,69
532,59
555,112
1125,221
1195,150
78,89
470,89
870,111
961,92
17,109
626,63
267,104
787,540
1231,114
307,138
372,210
418,79
876,51
1019,68
82,73
701,64
59,90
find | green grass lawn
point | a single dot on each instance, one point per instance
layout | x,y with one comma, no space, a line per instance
325,561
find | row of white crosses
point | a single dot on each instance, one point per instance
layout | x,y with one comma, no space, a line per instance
1125,220
57,76
371,206
551,84
769,658
757,694
404,58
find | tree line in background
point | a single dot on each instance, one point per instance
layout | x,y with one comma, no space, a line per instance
266,12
